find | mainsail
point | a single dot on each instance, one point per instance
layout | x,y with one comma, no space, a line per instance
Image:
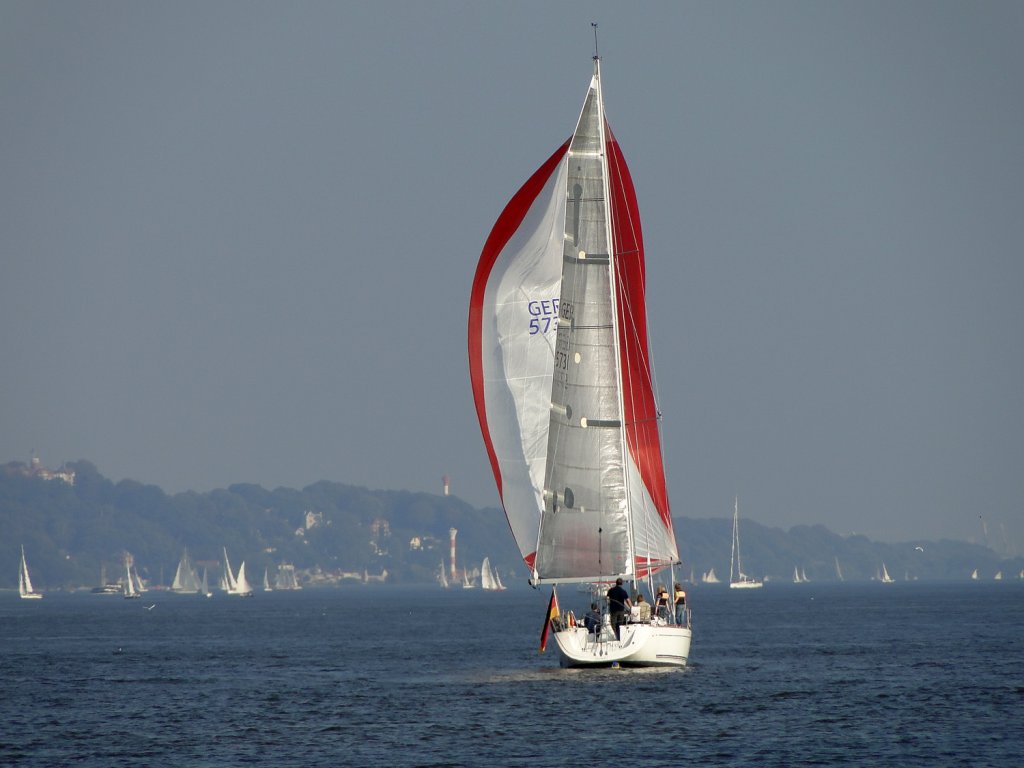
560,367
24,580
185,577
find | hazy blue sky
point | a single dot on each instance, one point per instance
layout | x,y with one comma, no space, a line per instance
238,240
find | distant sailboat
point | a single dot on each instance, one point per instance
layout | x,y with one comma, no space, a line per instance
839,571
998,576
185,581
799,577
130,590
488,578
974,575
204,588
442,576
886,578
486,581
266,581
737,578
24,582
286,578
239,585
242,587
709,577
227,578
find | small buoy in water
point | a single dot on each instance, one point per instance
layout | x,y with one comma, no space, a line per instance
615,665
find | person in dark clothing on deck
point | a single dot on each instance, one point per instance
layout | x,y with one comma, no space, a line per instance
680,604
618,604
592,621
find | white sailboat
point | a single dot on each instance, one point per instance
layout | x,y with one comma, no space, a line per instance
885,577
235,585
131,592
266,581
185,581
799,577
737,578
286,578
442,576
839,571
25,582
709,577
227,578
242,586
974,575
204,587
489,579
486,578
563,386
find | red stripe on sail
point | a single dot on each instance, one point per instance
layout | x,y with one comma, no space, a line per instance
637,386
504,228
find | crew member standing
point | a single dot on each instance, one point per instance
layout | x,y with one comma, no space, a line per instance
680,604
618,604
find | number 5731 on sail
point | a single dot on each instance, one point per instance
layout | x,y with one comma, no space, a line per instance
543,325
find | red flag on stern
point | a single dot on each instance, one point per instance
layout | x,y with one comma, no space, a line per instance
551,614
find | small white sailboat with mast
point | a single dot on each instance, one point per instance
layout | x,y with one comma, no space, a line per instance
564,390
737,578
235,585
185,581
442,576
25,588
132,588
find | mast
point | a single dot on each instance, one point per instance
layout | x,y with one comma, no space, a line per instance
734,557
613,289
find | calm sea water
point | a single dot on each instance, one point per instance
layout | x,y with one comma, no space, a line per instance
879,675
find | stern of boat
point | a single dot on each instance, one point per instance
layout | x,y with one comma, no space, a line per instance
639,645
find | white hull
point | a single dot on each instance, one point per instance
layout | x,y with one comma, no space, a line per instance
746,585
639,645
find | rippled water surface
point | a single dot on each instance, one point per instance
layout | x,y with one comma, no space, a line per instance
895,675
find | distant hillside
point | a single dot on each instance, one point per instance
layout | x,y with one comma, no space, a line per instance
74,531
774,554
